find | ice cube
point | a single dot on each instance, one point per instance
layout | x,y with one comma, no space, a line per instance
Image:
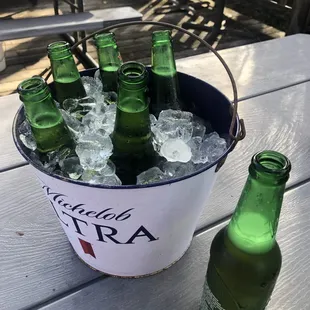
183,132
214,146
71,166
89,119
195,144
100,108
109,120
210,149
72,123
94,151
34,157
97,75
175,115
95,177
176,150
70,104
173,129
79,107
91,85
151,175
88,175
28,141
153,120
93,88
24,128
199,129
111,180
26,135
86,103
109,169
177,169
53,158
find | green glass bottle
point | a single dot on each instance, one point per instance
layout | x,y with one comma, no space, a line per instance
133,151
67,80
165,87
109,60
47,125
245,258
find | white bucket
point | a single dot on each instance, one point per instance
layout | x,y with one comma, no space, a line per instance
2,58
137,230
129,232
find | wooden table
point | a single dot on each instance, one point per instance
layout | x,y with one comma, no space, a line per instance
39,269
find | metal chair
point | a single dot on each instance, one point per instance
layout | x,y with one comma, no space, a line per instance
216,14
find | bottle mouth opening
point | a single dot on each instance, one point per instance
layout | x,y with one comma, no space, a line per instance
105,38
58,46
271,162
161,36
31,85
132,72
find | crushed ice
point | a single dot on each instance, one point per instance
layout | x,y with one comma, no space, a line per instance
183,140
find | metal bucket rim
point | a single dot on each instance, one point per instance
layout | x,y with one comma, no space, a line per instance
162,183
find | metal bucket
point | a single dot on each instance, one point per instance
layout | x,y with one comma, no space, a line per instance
139,230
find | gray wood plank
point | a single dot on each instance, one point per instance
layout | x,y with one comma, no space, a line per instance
180,287
266,129
57,24
257,68
9,156
277,121
36,259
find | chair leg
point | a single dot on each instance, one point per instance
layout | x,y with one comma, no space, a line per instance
56,7
80,5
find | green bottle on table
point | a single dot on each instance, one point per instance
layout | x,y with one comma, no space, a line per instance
245,258
109,60
47,124
67,80
133,151
165,86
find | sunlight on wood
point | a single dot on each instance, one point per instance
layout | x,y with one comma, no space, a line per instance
185,37
184,19
157,18
202,35
152,10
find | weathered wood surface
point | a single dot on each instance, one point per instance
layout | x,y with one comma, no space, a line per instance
278,120
9,156
37,261
180,287
51,25
257,68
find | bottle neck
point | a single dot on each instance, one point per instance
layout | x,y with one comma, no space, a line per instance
108,54
62,63
132,94
163,62
254,224
47,124
37,99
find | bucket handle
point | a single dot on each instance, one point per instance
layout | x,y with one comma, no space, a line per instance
241,132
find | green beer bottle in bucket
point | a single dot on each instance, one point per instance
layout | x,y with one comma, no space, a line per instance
133,151
47,124
245,258
165,86
67,80
109,60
